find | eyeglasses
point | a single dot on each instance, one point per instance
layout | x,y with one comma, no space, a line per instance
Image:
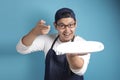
63,26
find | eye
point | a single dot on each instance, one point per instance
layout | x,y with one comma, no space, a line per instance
61,25
70,25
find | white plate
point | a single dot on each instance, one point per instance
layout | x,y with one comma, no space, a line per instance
82,47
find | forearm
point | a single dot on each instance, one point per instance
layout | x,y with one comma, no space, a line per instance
75,62
28,39
40,29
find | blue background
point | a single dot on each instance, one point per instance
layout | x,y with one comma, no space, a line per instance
97,20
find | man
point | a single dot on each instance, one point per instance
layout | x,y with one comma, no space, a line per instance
57,67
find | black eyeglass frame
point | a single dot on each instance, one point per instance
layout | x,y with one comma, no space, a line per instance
63,26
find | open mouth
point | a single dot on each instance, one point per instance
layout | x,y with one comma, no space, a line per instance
67,35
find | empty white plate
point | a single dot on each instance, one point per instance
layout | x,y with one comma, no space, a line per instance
82,47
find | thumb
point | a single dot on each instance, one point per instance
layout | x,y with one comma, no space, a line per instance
48,26
42,22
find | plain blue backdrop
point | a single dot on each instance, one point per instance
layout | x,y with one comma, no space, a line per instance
97,20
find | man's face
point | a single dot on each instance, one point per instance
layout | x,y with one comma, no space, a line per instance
66,28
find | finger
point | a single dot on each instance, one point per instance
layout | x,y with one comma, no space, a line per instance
44,27
42,22
82,54
45,31
48,26
76,54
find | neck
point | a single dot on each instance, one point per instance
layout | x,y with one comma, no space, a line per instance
67,40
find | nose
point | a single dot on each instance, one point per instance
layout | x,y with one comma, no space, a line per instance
67,28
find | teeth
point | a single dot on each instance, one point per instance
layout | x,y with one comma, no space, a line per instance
66,34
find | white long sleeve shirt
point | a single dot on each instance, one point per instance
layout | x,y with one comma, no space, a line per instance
44,42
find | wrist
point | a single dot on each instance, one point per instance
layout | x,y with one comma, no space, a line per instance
33,33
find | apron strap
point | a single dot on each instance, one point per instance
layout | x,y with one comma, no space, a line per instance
54,41
73,38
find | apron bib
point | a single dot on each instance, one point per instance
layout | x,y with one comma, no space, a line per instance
57,67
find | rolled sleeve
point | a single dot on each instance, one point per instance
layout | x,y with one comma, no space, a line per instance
21,48
37,45
85,65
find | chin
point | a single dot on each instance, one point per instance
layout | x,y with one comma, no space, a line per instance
67,39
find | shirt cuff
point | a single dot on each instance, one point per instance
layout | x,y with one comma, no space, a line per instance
21,48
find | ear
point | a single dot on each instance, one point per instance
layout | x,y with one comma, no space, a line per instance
55,25
76,23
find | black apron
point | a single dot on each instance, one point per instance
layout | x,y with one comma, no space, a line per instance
57,67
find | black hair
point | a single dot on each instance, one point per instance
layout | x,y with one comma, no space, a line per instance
64,13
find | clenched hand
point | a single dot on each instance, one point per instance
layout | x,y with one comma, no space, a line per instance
41,28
